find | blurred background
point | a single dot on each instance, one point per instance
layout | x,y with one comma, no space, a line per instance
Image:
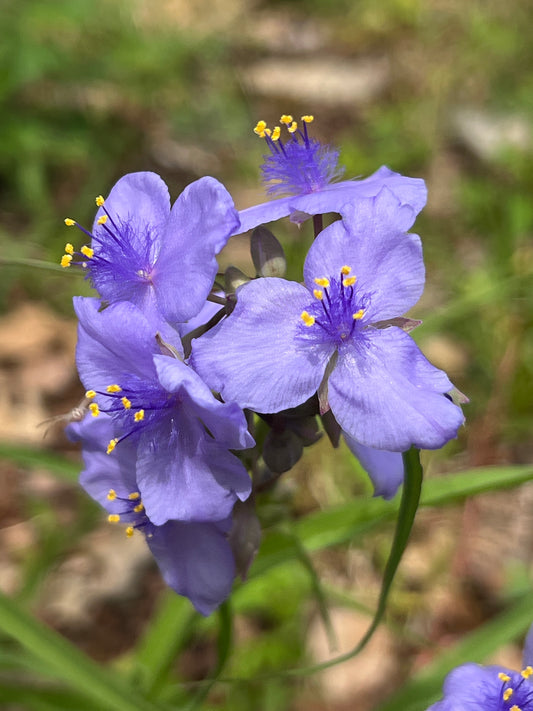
438,89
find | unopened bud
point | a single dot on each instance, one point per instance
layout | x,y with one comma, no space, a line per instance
281,450
267,253
233,278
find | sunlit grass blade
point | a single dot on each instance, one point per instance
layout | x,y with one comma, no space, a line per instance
36,264
67,662
426,687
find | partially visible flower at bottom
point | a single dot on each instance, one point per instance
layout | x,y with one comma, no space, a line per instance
385,469
493,688
195,558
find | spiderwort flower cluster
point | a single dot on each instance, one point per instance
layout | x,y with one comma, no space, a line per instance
171,359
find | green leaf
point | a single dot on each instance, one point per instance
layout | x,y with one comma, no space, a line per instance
33,458
67,662
426,688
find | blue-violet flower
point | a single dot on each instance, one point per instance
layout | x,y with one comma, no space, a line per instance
183,468
307,173
195,558
161,259
285,341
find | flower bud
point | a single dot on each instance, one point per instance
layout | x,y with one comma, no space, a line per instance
233,278
267,253
281,450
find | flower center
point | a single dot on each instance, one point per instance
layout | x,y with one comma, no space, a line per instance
135,405
299,166
130,510
516,693
339,310
119,259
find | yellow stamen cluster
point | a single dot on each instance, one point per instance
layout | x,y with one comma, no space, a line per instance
139,416
95,410
287,120
69,248
345,270
134,496
114,388
99,201
90,394
66,260
527,672
102,220
307,118
293,127
322,281
358,314
514,707
111,446
112,495
318,294
129,531
307,318
139,508
113,518
69,222
349,281
507,694
504,677
126,403
87,251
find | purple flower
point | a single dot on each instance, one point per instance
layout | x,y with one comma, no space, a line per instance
307,172
161,259
385,469
471,687
182,434
284,341
195,558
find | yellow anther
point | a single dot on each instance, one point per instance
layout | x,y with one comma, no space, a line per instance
504,677
139,416
114,388
66,260
293,127
349,281
126,403
69,222
307,318
129,531
267,131
358,314
134,496
260,128
318,294
276,133
507,694
322,281
514,707
345,270
308,119
90,394
286,119
139,508
87,251
113,518
527,672
99,201
102,220
69,249
112,495
95,410
111,446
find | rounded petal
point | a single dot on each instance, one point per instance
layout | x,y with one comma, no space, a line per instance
185,475
385,469
140,198
225,421
196,561
386,395
201,221
255,357
387,262
111,342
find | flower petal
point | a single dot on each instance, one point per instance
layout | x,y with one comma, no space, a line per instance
264,213
385,469
196,561
386,395
201,221
138,198
254,357
184,474
225,421
371,240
